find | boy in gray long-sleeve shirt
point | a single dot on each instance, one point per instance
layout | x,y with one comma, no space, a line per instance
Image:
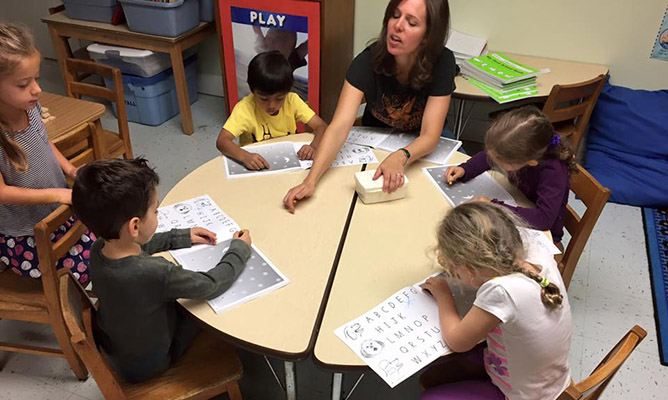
138,324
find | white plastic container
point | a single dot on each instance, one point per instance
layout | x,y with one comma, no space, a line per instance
137,62
371,191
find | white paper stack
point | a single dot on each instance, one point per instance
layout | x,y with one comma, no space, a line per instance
465,46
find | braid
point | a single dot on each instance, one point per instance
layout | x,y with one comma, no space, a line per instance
550,295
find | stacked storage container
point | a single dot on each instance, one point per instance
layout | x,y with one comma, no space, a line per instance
90,10
148,81
162,19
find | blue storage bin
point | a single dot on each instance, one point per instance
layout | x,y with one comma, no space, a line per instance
162,19
206,11
90,10
152,101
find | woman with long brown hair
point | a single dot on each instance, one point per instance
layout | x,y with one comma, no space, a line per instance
406,77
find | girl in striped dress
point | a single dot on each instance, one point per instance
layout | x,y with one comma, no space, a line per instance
32,170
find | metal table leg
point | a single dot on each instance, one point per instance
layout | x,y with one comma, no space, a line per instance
337,385
290,380
459,118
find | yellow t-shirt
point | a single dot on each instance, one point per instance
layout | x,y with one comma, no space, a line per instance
247,119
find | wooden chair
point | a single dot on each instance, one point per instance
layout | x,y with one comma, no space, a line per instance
591,387
115,144
32,300
594,196
569,108
83,146
208,368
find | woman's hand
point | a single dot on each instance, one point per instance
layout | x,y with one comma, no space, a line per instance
254,161
481,198
244,235
392,170
438,287
306,152
202,236
296,194
454,173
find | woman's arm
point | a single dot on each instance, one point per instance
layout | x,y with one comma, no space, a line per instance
19,195
68,169
433,119
332,140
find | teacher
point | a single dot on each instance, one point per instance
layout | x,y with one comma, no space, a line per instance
406,77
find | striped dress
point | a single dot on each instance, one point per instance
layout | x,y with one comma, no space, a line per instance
17,243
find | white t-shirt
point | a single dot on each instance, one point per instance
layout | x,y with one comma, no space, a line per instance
527,353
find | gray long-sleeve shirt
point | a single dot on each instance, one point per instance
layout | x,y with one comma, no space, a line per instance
137,319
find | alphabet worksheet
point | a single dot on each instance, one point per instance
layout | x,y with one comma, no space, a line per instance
260,276
350,154
280,156
401,335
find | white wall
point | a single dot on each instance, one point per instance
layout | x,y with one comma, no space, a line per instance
616,33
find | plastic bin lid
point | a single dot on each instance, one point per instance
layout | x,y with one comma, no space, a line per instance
154,4
141,81
122,51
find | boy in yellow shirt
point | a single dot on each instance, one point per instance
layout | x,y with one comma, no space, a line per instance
270,111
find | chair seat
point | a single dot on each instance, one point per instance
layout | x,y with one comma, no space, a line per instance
20,291
114,144
208,364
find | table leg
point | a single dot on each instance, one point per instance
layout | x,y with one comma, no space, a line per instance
337,385
181,89
290,380
459,118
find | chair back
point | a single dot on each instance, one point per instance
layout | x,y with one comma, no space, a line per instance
569,108
50,253
77,88
593,386
79,313
594,196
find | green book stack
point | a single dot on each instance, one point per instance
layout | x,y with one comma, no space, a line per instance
501,77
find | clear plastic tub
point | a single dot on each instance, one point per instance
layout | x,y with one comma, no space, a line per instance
133,61
162,19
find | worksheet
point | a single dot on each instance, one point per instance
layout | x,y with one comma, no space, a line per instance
350,154
368,136
461,192
441,154
280,156
260,275
402,335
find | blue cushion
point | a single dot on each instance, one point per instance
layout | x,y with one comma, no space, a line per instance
627,145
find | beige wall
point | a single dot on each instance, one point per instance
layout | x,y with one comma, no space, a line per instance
616,33
29,12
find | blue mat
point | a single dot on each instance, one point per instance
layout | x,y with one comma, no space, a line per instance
656,237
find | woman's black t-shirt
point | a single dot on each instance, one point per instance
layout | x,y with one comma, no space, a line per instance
389,104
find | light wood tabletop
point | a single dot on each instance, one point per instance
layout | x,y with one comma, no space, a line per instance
562,72
70,113
303,246
388,246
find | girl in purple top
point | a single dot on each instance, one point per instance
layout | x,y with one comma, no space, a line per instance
523,144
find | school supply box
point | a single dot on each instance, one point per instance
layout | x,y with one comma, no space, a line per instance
371,191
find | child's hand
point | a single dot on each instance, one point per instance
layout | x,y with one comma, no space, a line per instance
244,235
438,287
307,152
72,172
63,196
255,162
453,173
202,236
481,198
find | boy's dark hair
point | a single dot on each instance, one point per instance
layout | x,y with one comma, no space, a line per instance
108,193
270,73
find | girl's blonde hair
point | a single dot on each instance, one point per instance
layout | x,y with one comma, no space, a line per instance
525,134
483,236
16,43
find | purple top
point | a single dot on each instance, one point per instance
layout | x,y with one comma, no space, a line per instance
546,185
